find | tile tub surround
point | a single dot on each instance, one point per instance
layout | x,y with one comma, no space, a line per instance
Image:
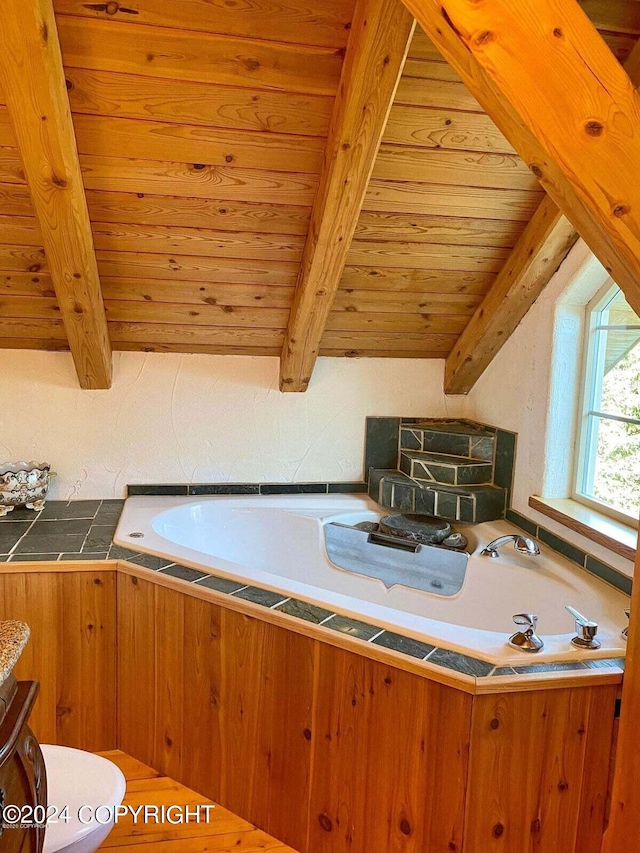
572,552
183,489
14,636
455,469
101,515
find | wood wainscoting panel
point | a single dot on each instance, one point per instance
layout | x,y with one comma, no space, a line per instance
319,747
72,616
537,781
326,749
390,753
219,701
136,667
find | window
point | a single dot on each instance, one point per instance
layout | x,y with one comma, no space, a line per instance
608,462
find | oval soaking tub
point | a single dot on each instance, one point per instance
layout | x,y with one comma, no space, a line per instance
279,543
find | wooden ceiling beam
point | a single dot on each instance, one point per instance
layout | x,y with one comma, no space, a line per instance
33,84
545,76
543,246
539,252
381,32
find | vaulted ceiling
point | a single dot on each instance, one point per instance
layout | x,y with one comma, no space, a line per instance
210,163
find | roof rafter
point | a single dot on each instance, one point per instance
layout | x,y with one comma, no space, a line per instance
548,80
531,265
543,246
33,83
378,43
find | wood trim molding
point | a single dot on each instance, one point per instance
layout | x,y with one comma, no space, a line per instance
541,249
582,138
33,84
380,36
589,523
624,819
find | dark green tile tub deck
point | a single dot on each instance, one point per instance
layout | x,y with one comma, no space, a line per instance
182,572
20,513
265,597
406,645
220,584
353,627
605,663
150,561
304,610
57,510
86,555
38,558
464,664
98,517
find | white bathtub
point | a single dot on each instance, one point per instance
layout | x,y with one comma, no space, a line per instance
277,542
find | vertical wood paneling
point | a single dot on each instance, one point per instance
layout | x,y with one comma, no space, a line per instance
87,671
201,724
171,692
33,598
326,750
71,652
205,692
281,763
596,779
389,759
136,667
534,771
243,641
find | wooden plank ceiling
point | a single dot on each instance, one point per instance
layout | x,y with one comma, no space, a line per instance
201,129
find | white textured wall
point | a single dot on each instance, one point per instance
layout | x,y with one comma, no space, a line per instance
532,388
191,418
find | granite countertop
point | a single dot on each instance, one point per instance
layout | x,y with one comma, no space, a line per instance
13,638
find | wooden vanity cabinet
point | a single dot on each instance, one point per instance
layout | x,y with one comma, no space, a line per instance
22,774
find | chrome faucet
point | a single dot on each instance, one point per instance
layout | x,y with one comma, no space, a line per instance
520,543
625,631
526,640
586,631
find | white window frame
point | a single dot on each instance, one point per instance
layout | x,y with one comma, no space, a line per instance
592,375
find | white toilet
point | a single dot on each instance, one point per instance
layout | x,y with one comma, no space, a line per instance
79,779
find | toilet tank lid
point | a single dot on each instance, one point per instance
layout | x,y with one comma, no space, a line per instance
75,779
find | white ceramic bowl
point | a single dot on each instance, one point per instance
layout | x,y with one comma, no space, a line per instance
23,484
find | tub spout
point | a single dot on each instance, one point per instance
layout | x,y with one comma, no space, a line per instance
520,543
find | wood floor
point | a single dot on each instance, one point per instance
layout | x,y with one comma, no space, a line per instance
223,833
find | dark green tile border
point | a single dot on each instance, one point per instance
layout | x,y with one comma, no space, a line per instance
572,552
202,489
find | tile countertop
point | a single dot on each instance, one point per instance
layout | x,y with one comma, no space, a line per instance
83,530
79,530
13,638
